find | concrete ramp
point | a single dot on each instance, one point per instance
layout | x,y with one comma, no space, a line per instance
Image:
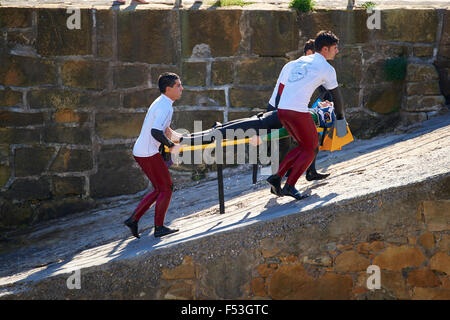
386,203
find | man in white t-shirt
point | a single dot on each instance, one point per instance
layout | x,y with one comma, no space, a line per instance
295,85
154,132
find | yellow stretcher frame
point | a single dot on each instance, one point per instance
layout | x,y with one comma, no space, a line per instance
331,142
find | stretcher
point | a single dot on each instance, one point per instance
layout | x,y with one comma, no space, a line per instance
329,141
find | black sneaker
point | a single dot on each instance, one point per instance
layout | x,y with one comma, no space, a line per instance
289,190
163,231
311,175
133,225
275,183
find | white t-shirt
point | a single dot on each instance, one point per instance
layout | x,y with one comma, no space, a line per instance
301,78
159,116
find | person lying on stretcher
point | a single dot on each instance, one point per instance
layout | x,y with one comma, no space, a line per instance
322,112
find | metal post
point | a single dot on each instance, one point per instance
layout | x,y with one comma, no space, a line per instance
220,185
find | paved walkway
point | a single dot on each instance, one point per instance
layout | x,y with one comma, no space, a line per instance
98,237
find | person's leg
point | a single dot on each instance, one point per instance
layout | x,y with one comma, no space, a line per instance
303,130
158,173
145,163
311,172
301,127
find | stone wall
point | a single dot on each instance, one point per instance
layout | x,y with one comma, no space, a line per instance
323,253
72,101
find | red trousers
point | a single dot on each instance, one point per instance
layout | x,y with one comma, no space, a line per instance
300,126
158,173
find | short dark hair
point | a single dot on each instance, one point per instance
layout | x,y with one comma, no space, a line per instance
325,39
167,79
309,45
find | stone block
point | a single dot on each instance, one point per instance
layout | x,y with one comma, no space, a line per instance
365,126
149,45
440,262
348,65
258,287
431,294
266,269
219,29
260,71
119,125
422,278
293,282
47,210
350,96
194,74
408,25
374,74
56,39
385,99
156,71
435,214
130,76
20,119
423,88
411,118
27,71
10,98
16,136
351,261
349,26
274,33
394,283
100,101
250,97
427,240
32,161
14,214
29,189
397,258
70,116
183,119
15,17
117,174
444,45
22,39
67,135
67,186
323,261
203,98
423,52
141,99
180,291
55,99
421,72
85,74
4,152
222,72
5,174
444,242
68,160
104,29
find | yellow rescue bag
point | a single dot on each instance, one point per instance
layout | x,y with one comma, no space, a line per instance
331,142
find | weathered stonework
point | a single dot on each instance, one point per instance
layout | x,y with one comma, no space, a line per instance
65,94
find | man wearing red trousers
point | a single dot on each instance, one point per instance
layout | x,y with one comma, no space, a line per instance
296,83
156,131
